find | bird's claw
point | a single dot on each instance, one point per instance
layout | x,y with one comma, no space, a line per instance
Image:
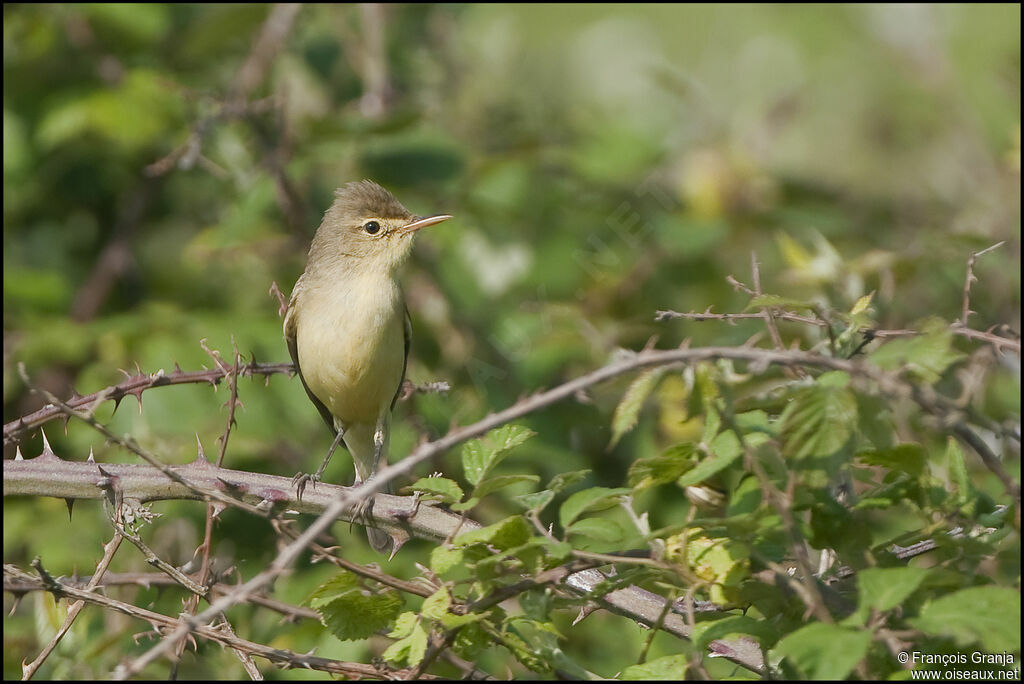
301,480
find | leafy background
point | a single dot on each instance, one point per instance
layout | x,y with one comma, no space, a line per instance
602,163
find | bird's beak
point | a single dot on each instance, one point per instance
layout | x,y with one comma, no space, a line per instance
421,222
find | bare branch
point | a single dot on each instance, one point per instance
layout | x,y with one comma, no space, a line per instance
970,278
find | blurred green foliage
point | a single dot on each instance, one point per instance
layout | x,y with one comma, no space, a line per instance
602,162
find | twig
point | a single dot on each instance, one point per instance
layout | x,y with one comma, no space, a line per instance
966,310
957,328
135,385
163,623
109,549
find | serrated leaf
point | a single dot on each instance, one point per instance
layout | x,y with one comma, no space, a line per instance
411,649
470,640
480,455
493,484
883,589
593,499
862,304
537,501
448,491
601,529
403,625
436,605
908,458
818,423
927,355
669,668
668,467
505,534
958,476
443,559
822,651
725,449
466,505
451,620
989,616
628,410
350,612
706,632
564,480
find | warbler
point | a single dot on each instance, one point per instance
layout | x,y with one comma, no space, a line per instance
347,326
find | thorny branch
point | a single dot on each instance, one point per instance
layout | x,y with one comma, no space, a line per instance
872,379
163,623
135,385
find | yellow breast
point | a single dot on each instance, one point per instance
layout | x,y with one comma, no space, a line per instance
351,347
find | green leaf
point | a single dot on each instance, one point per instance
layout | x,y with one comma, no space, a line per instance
593,499
466,505
818,423
669,668
404,625
668,467
706,632
597,528
493,484
537,501
989,616
564,480
628,410
349,611
958,476
443,559
821,651
724,449
410,649
436,605
448,491
883,589
480,455
908,458
470,640
927,355
510,532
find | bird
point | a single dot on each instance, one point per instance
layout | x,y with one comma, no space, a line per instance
347,326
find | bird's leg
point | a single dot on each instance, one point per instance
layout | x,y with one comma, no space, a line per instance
330,452
363,509
301,479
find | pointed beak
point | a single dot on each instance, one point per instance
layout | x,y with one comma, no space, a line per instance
421,222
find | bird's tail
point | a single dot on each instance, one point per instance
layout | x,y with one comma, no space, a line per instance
359,440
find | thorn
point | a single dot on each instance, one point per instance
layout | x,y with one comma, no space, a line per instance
201,458
398,540
91,458
17,454
585,610
217,508
46,443
126,373
70,504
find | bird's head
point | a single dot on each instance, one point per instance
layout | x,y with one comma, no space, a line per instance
367,228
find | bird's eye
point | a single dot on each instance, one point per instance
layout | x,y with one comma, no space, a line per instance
371,227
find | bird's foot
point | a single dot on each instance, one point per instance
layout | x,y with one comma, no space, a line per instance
301,480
